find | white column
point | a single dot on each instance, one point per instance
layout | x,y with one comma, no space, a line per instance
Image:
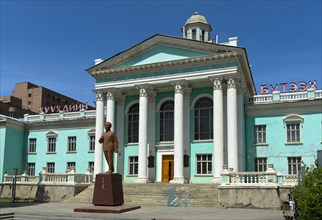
151,133
143,135
232,124
110,112
178,132
241,129
99,126
120,134
218,128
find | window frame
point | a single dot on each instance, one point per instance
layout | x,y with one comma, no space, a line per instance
133,123
294,161
31,169
164,119
207,161
72,144
32,146
91,165
50,167
133,167
260,163
292,120
70,165
260,134
199,133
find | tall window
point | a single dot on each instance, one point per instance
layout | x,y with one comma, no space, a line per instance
294,165
260,134
133,165
72,144
193,34
51,167
293,132
32,145
204,163
133,124
91,166
260,164
51,145
31,169
92,143
166,124
204,119
71,166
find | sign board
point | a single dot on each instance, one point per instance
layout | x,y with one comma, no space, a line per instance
288,87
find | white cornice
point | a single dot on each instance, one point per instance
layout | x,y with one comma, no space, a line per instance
159,80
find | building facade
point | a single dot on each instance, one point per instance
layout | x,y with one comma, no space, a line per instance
182,109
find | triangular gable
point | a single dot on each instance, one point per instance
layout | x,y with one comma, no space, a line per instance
161,53
160,48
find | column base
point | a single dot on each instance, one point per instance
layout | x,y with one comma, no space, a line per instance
142,180
178,180
216,180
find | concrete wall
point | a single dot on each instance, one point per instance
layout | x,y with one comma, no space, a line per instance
263,197
41,193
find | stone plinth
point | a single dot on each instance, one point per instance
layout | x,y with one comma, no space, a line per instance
108,190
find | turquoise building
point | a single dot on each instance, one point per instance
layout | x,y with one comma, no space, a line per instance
182,109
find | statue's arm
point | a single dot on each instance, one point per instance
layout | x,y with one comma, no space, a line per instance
101,139
115,144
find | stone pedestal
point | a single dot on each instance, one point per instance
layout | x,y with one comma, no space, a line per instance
108,190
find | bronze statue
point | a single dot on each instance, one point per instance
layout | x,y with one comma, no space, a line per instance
110,145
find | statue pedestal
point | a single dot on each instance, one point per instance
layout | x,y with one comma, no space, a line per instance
108,190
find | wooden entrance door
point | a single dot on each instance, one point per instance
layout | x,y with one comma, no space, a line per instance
167,168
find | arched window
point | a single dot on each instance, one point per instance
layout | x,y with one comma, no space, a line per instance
133,124
204,119
166,124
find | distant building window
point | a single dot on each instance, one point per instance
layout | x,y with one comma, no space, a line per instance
29,95
260,164
294,165
51,167
72,144
71,166
31,169
166,121
29,102
203,129
260,134
91,166
51,145
133,124
48,95
204,164
92,143
32,145
133,165
293,132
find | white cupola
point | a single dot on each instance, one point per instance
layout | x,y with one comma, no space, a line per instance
197,28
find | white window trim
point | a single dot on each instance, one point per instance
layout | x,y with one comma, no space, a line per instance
293,119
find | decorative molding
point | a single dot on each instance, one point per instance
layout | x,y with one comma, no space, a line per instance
217,82
168,64
145,90
99,95
180,86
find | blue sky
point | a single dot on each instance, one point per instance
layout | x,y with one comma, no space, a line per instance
51,43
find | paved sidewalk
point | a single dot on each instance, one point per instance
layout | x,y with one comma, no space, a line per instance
65,211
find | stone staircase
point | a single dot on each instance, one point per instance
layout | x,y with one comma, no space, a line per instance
161,194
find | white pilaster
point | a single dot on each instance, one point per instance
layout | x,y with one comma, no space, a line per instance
99,124
151,132
178,132
143,134
218,128
110,106
232,124
241,130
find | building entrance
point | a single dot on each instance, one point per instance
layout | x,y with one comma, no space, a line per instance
167,168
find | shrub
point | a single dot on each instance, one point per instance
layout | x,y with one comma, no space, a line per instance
308,194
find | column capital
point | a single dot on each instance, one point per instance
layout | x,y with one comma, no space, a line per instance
121,99
180,86
112,93
217,82
145,90
232,81
99,95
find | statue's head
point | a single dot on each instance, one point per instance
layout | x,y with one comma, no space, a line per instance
108,126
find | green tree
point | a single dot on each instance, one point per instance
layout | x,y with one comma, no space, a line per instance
308,194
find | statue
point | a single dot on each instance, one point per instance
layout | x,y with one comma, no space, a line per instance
110,145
